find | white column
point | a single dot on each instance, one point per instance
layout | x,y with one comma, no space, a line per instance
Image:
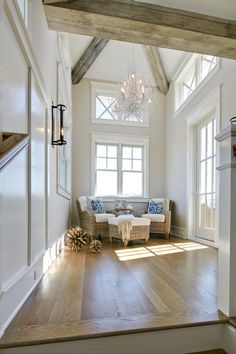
227,222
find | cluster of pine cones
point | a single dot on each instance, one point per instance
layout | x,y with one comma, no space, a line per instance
76,238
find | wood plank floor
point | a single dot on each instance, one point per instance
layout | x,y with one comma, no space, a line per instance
159,285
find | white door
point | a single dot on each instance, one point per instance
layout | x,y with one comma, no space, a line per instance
206,189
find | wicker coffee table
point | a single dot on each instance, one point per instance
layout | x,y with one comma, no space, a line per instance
140,229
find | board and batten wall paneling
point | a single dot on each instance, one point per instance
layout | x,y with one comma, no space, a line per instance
38,175
14,219
21,254
14,83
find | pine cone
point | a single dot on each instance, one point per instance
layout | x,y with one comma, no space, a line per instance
76,238
95,246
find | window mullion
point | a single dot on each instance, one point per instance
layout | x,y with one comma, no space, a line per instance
119,169
198,70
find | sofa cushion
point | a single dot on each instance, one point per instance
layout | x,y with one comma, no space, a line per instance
97,205
155,207
154,217
103,217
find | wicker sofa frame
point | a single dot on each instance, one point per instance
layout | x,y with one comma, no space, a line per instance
89,224
137,233
94,229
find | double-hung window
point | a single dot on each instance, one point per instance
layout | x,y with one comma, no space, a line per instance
119,169
132,170
106,169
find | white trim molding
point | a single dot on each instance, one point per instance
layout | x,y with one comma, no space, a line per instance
210,105
191,62
22,36
111,90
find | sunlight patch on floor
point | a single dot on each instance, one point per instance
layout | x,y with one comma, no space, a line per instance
134,253
168,249
159,250
190,246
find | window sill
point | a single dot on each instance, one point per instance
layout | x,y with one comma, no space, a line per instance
128,199
119,122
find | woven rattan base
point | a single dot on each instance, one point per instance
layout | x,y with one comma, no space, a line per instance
138,232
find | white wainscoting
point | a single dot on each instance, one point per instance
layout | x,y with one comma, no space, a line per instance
37,172
14,219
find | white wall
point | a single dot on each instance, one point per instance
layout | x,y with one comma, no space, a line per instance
45,48
176,135
28,185
81,152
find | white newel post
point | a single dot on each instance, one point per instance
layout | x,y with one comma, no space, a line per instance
227,222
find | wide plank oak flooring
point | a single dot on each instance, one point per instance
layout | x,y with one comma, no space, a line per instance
158,285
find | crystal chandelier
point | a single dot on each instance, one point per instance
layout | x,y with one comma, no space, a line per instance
133,99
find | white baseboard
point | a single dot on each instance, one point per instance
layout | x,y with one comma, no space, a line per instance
21,303
12,298
178,231
229,339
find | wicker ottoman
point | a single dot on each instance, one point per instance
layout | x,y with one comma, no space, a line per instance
140,229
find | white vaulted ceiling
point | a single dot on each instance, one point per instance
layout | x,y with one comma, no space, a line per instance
218,8
113,62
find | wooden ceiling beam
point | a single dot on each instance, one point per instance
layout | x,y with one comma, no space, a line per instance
144,23
157,69
87,59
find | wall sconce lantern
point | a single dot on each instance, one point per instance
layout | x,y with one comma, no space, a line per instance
58,129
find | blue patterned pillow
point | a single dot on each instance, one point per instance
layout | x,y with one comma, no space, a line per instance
120,204
97,206
155,207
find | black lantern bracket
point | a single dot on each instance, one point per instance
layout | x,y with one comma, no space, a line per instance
61,108
233,120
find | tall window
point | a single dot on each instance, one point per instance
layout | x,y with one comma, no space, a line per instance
206,162
194,73
119,169
23,5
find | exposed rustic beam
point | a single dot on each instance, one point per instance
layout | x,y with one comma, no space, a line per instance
156,66
87,59
147,24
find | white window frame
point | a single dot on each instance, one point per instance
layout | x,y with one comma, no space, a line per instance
126,140
23,6
110,89
191,62
209,105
